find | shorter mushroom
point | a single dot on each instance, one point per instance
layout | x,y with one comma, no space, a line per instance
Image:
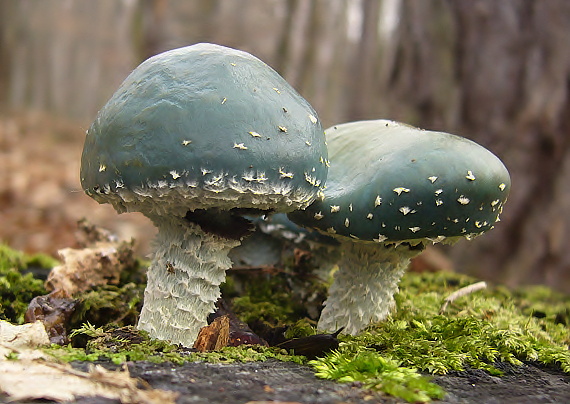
392,189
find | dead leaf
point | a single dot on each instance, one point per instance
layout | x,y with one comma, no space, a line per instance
240,333
84,269
214,336
60,382
27,373
23,336
54,311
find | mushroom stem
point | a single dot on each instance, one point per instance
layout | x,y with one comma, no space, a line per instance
364,286
183,280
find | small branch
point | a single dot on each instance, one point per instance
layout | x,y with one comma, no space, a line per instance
460,293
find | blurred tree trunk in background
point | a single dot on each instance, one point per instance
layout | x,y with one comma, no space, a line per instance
497,72
65,57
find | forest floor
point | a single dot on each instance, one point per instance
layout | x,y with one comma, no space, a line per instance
41,198
285,382
40,203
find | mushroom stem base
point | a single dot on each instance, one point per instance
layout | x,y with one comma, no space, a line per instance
183,280
364,286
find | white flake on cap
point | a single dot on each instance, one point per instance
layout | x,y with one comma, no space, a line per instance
377,201
284,174
463,200
399,190
406,210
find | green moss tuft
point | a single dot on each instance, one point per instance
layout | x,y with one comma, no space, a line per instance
18,285
302,328
109,304
278,299
121,344
476,331
378,373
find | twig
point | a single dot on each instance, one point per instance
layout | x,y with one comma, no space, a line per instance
460,293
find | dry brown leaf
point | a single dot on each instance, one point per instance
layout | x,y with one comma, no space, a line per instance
214,336
84,269
54,311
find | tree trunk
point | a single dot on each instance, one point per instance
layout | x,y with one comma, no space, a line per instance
499,73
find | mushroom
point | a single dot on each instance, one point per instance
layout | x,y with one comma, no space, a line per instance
391,190
193,138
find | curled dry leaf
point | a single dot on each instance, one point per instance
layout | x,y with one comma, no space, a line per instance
84,269
239,332
54,311
314,345
214,336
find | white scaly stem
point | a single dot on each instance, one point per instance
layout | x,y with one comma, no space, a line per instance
364,286
183,280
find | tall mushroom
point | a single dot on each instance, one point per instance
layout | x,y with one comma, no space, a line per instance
192,138
391,190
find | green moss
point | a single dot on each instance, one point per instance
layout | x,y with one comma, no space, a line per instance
378,373
18,285
10,258
279,299
121,344
250,309
109,304
245,353
476,331
302,328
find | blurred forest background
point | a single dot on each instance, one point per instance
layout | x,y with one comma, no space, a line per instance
497,72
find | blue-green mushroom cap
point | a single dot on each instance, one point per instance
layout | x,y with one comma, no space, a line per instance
392,183
204,126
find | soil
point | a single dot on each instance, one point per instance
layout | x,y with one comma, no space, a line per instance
286,382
